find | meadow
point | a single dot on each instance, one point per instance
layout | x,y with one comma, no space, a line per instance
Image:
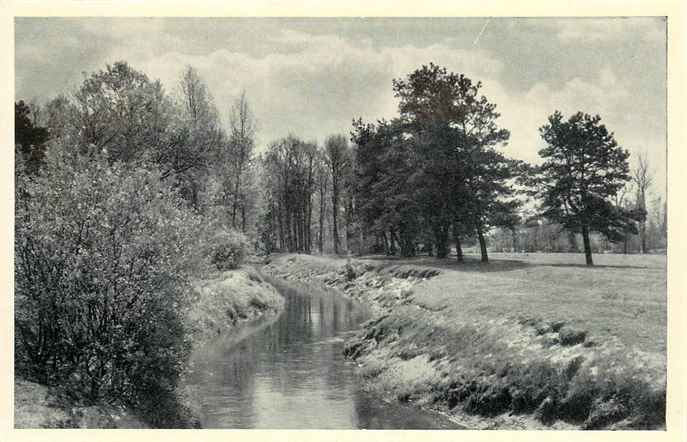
622,296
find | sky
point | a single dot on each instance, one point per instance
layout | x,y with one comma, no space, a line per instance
312,77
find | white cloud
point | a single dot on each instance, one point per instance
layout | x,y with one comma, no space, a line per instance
608,96
317,87
603,29
525,113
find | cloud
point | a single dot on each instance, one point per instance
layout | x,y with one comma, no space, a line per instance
524,113
607,95
315,87
604,29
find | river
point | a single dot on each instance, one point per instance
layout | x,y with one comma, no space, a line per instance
289,372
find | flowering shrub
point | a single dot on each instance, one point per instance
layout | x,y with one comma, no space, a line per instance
227,249
101,278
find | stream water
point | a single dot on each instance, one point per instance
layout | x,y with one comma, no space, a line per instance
289,372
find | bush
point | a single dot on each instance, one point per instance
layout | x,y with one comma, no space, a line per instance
227,249
101,278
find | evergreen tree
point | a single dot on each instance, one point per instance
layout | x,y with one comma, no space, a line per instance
461,175
583,170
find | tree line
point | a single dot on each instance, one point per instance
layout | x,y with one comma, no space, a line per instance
431,180
435,178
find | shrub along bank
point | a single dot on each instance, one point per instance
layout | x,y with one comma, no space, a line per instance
221,302
113,278
441,341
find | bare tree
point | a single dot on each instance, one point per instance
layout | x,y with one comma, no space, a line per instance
338,160
242,142
322,185
641,175
621,201
194,94
196,140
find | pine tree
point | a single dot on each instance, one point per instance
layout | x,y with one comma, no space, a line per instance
583,169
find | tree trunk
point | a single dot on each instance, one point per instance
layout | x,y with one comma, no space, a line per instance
280,220
456,238
392,242
459,247
335,227
587,246
321,237
347,220
572,241
308,202
514,237
482,245
441,241
459,250
236,199
362,241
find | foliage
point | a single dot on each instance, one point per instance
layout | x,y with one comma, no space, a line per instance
584,169
195,140
119,109
436,166
29,139
227,249
388,201
101,278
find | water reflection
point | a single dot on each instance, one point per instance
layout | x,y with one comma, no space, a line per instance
291,373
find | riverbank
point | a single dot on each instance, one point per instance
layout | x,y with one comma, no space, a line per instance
222,302
518,343
225,300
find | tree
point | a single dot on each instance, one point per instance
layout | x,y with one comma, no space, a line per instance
196,142
655,233
461,175
288,173
322,182
664,221
583,169
58,113
29,138
241,142
641,175
196,101
119,109
621,200
387,199
339,161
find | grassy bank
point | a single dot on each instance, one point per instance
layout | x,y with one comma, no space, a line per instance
223,301
228,299
528,341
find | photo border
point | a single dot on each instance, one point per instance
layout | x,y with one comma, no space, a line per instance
676,417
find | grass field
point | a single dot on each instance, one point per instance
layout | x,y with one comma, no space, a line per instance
524,341
622,295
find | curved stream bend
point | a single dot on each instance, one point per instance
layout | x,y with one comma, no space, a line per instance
291,373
